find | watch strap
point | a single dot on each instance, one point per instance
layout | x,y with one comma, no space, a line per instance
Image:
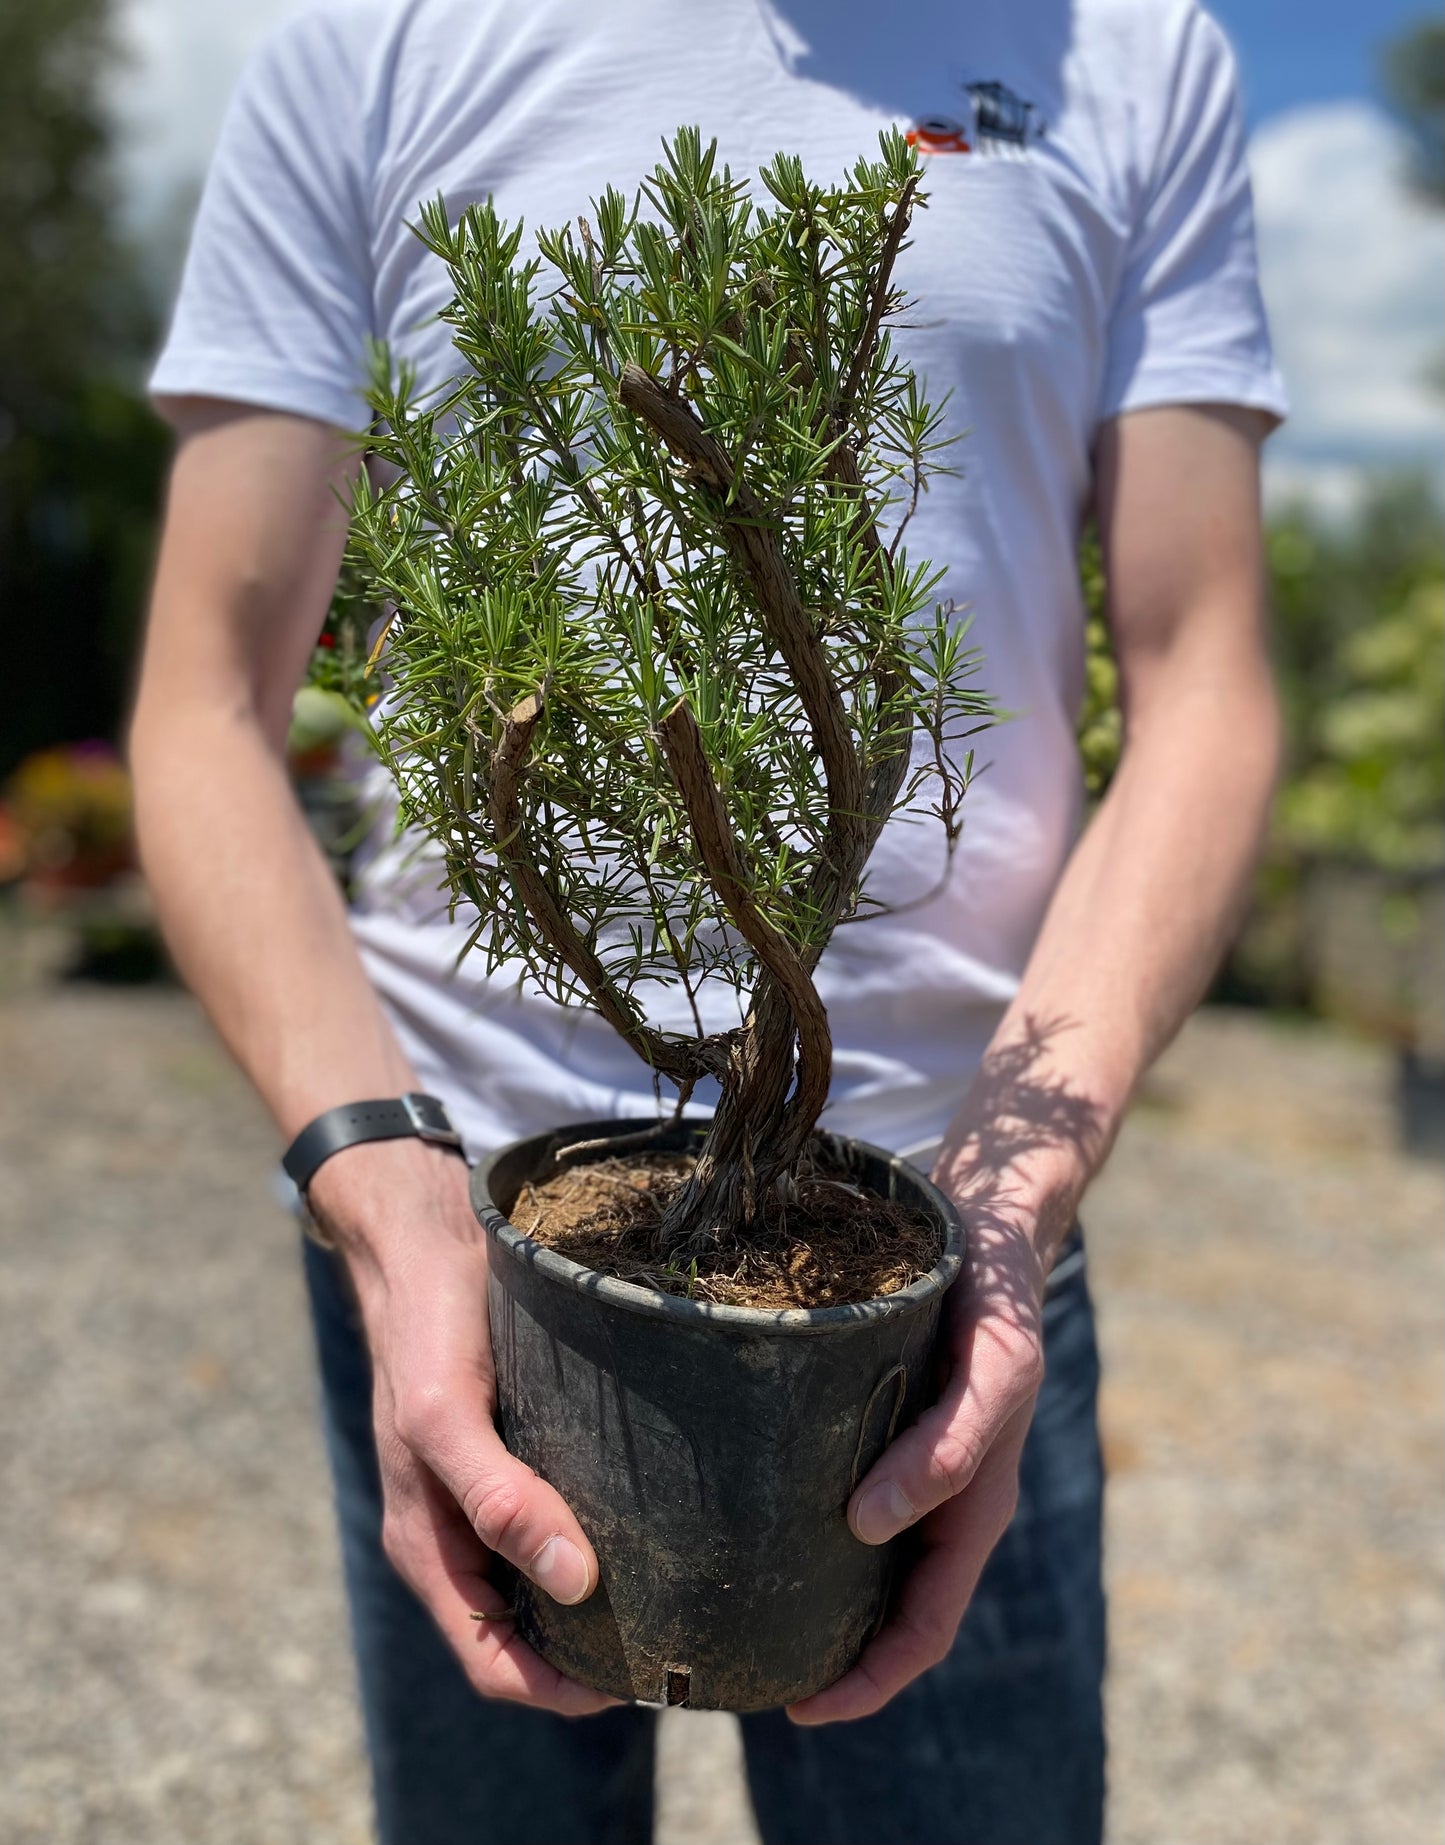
423,1117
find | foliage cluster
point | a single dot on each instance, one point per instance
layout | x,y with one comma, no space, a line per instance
660,667
1361,620
1101,724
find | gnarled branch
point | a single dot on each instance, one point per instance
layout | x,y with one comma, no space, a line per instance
684,1062
754,545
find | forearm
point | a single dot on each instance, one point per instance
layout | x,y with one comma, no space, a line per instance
254,530
1135,928
258,928
1134,932
253,916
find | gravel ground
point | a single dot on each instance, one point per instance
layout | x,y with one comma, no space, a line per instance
174,1669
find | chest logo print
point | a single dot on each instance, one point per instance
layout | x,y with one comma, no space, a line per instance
939,134
994,117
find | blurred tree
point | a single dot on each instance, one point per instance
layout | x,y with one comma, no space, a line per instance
1359,634
1359,609
1414,74
1360,624
80,455
1101,723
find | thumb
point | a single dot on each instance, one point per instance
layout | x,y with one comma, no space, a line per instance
938,1457
512,1510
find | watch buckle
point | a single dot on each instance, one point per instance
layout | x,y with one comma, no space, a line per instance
429,1121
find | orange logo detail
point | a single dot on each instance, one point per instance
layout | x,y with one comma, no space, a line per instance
939,134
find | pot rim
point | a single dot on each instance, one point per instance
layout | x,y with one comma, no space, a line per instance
629,1297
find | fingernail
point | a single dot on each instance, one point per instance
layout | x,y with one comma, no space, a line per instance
560,1568
882,1513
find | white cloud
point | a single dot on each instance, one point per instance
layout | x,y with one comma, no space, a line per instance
1353,269
1337,490
183,60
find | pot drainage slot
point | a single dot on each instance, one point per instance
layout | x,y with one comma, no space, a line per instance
679,1687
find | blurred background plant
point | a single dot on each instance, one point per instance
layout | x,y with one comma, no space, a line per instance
70,810
1360,615
1414,82
80,470
1347,915
80,453
1101,724
342,682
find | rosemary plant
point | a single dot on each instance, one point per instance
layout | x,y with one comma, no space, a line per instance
660,669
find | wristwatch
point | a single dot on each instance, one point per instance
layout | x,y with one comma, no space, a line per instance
394,1118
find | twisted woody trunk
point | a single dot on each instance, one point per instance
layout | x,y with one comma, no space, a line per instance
760,1129
773,1071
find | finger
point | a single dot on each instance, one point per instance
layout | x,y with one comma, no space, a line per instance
958,1541
448,1428
998,1374
441,1558
443,1414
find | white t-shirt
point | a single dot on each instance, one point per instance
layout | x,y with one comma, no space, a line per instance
1087,249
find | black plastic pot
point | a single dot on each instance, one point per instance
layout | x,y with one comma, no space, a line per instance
709,1452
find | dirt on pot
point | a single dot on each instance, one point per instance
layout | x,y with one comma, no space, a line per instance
833,1246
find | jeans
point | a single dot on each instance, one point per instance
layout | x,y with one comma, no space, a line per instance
1001,1744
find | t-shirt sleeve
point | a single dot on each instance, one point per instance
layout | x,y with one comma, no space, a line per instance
275,303
1188,323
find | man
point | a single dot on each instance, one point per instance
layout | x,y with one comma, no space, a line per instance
1084,285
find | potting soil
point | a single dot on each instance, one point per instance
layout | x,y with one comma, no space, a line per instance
832,1246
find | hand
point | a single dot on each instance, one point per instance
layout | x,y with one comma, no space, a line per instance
954,1474
452,1494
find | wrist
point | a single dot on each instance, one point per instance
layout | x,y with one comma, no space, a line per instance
385,1203
1044,1107
1022,1149
1030,1197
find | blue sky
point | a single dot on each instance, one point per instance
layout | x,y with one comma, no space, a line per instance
1298,52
